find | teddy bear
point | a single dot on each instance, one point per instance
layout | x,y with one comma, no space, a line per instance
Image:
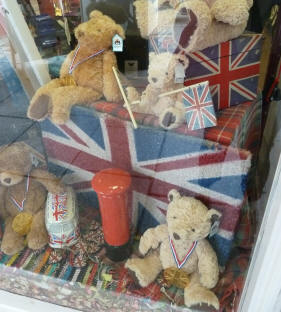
23,191
181,249
193,24
161,79
86,74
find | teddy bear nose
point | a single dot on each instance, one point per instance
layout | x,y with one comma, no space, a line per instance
154,79
176,236
7,180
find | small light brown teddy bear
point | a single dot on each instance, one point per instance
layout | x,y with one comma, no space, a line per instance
86,75
180,249
194,24
161,78
23,193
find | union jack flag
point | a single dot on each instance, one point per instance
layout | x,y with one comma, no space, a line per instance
157,161
59,207
199,107
232,69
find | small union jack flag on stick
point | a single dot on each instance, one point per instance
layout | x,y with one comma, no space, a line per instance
199,106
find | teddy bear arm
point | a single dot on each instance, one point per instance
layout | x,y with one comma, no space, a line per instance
66,64
48,180
207,264
110,87
3,212
149,96
152,238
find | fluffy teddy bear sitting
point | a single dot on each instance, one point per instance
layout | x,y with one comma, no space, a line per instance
86,74
180,249
194,24
23,193
161,78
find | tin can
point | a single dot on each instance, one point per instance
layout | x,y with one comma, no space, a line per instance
61,218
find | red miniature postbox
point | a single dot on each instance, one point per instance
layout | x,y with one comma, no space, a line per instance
111,186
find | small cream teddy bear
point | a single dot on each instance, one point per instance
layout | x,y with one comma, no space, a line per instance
161,78
181,245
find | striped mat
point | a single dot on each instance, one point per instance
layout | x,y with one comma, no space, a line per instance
105,276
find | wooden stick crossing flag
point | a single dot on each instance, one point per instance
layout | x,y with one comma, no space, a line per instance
199,107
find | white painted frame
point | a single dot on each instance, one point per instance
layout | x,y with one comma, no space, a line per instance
23,43
263,283
15,303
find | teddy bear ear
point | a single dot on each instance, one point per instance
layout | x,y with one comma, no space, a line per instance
96,14
120,31
213,215
182,59
173,194
250,3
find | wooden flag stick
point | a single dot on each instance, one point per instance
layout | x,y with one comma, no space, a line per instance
127,105
173,91
178,90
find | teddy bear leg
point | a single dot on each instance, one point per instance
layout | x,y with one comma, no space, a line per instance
12,242
197,295
63,98
38,236
146,17
146,269
234,12
39,106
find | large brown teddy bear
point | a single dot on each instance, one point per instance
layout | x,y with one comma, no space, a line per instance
180,249
194,24
82,79
23,193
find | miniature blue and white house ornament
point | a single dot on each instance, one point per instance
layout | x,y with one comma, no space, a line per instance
117,43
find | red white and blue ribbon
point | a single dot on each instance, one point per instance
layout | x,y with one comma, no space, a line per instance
20,205
72,66
179,262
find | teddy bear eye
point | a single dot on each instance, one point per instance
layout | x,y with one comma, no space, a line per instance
174,217
166,73
193,230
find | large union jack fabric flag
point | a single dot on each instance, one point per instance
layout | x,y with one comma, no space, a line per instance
158,161
232,67
199,107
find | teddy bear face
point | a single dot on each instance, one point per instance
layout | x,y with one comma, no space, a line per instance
161,69
15,163
97,33
188,219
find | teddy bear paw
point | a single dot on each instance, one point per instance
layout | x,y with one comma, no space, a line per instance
230,12
170,118
59,118
200,296
139,270
39,108
38,240
13,247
